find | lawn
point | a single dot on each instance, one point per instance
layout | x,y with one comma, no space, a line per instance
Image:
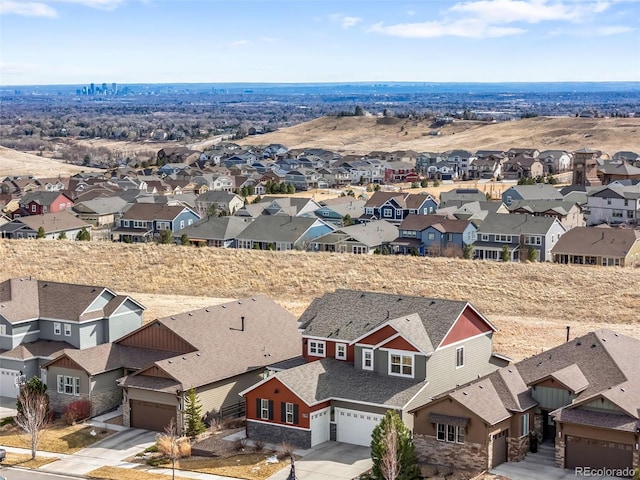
116,473
58,438
251,466
24,460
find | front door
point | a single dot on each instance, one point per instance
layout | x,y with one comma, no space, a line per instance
548,426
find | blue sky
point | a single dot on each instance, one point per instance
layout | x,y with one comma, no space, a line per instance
157,41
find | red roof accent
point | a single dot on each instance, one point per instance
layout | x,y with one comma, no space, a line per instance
379,335
468,325
399,343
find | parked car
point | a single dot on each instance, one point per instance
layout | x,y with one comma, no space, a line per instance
3,453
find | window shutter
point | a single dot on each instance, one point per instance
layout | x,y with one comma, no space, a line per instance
295,413
283,412
258,408
270,409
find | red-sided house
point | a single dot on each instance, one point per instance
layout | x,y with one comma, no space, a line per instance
38,203
364,353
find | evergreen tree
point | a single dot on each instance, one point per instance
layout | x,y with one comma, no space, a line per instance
166,237
532,254
184,239
62,236
505,254
41,233
83,235
193,412
467,252
358,112
392,450
347,220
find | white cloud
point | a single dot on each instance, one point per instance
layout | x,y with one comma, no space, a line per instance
468,28
27,9
239,43
605,31
345,21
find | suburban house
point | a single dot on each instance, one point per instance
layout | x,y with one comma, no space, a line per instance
302,178
555,161
39,319
224,202
463,195
283,206
580,397
613,204
608,247
214,231
522,166
489,167
539,191
395,206
362,238
434,235
569,214
54,225
100,212
519,234
38,203
612,171
336,209
460,161
281,233
144,222
365,353
400,172
219,351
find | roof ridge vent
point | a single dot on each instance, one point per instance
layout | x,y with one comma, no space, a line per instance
223,306
190,314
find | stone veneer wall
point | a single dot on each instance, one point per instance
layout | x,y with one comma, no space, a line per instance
471,456
560,444
274,433
57,401
517,448
104,401
126,413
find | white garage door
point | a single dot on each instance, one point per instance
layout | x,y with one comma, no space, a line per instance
8,383
320,427
355,427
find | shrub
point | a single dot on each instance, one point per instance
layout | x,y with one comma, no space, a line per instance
285,450
239,444
258,445
6,421
75,411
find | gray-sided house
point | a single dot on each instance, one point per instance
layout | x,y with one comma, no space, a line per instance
362,238
434,235
144,222
38,319
281,233
215,231
363,354
218,350
53,224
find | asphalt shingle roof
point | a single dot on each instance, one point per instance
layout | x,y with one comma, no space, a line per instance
593,241
215,228
523,224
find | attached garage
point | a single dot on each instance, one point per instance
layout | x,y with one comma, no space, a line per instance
151,416
320,426
8,383
588,452
499,448
355,427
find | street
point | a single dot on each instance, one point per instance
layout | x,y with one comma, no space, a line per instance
19,474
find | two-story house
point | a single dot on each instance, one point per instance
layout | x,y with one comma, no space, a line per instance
38,203
519,234
365,353
434,235
144,222
279,232
539,191
400,172
38,319
460,160
613,204
556,161
395,206
336,210
580,398
302,178
569,214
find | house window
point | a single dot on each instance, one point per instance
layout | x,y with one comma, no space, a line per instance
264,409
533,240
57,328
617,214
67,329
449,237
341,351
3,329
316,348
524,425
139,224
181,224
503,238
367,359
387,213
401,365
68,385
163,225
459,357
484,237
608,201
450,433
33,207
289,413
431,236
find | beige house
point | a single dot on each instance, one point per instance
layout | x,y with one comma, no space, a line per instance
604,246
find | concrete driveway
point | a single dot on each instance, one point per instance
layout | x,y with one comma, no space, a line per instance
330,461
7,407
530,469
111,451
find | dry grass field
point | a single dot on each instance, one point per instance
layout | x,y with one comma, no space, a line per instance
531,304
13,162
360,135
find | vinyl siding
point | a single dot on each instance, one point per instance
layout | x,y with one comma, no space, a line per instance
121,323
381,362
28,368
52,378
88,335
152,396
100,302
106,381
551,398
226,392
442,373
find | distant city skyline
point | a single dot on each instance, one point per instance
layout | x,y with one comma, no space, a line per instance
47,42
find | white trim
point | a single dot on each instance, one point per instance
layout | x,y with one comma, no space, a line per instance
18,335
402,353
393,337
317,345
286,413
262,409
414,397
358,402
461,348
379,327
463,340
96,298
57,328
283,425
341,357
311,337
23,321
366,350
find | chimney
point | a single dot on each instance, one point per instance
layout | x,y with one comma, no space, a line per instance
242,326
568,330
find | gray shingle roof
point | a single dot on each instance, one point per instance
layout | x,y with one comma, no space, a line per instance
349,314
523,224
40,348
325,379
539,191
593,241
215,228
53,222
482,398
277,229
572,377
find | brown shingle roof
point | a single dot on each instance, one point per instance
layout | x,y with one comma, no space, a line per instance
53,222
40,348
152,211
592,241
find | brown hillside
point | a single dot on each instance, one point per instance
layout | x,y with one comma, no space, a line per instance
530,303
13,162
360,135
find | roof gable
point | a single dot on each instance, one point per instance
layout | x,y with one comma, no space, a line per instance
469,324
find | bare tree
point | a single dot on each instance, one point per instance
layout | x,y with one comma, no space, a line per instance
174,447
34,415
389,461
